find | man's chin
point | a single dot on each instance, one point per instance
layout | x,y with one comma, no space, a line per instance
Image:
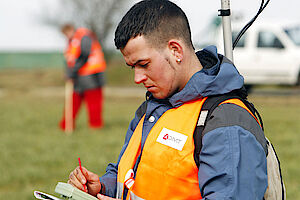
160,95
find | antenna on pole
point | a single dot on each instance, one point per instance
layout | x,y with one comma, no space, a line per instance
263,5
226,24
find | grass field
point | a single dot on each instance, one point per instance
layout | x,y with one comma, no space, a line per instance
35,154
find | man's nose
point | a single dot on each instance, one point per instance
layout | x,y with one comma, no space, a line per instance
139,75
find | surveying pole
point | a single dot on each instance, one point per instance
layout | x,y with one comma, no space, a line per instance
226,24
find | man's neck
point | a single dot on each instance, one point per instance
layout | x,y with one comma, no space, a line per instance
193,64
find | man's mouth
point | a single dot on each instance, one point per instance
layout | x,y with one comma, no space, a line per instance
149,88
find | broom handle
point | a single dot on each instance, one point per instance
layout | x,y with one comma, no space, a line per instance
69,107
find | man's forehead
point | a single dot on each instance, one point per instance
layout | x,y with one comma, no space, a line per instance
133,59
136,50
138,41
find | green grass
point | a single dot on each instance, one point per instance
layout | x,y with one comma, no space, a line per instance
281,117
35,154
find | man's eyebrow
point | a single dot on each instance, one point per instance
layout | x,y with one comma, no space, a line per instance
135,62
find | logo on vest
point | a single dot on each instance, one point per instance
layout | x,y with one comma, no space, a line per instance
166,137
172,139
129,181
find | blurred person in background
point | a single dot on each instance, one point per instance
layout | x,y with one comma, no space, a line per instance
158,158
85,68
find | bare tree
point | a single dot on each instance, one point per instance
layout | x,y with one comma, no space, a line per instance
98,15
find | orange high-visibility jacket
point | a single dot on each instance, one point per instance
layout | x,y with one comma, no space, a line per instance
167,168
95,62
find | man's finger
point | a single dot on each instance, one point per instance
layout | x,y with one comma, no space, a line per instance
103,197
81,176
77,179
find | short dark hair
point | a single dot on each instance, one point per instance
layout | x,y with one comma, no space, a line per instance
156,20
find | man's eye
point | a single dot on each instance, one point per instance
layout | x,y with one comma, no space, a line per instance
144,65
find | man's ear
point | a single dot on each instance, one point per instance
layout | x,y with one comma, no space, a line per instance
176,49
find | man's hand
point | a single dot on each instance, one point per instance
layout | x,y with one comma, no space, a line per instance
78,179
103,197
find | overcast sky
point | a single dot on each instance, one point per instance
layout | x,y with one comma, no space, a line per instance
19,28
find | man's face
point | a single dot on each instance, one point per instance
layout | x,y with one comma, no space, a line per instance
152,67
69,33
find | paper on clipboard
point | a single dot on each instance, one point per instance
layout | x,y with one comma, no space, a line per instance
44,196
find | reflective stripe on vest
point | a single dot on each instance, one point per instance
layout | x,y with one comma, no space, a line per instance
167,169
129,157
95,63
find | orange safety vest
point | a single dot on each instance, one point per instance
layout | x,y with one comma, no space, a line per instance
95,63
167,168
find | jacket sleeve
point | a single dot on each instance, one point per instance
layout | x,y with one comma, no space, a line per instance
109,179
85,49
232,162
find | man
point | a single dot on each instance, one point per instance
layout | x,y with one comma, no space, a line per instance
85,68
156,161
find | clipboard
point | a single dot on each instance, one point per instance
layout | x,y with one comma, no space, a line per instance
66,191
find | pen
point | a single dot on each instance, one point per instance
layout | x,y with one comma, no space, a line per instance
85,189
